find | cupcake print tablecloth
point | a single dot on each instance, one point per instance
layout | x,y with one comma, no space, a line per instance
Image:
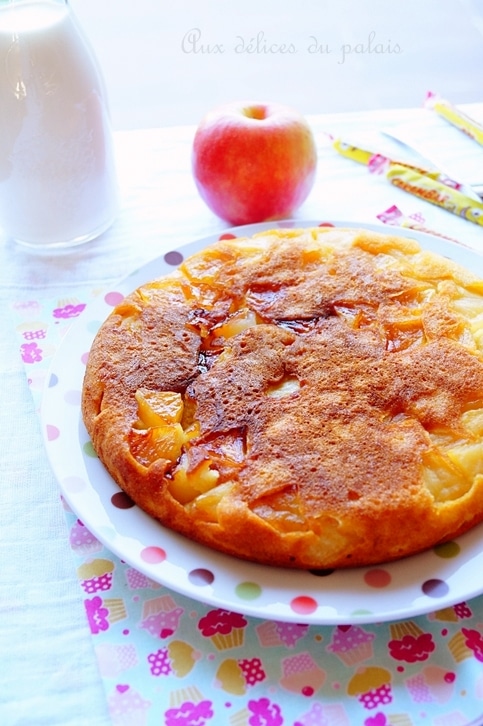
168,660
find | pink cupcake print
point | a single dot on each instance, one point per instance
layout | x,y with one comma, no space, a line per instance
225,629
33,330
188,706
302,675
116,609
463,610
96,575
138,581
404,627
234,676
161,616
27,309
31,352
351,644
331,714
452,614
260,711
474,641
114,659
177,658
68,308
371,686
127,707
272,633
103,612
409,643
82,541
265,711
97,615
431,685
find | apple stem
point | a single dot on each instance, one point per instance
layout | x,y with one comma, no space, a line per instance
256,112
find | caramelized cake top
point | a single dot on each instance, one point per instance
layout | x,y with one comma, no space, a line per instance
304,398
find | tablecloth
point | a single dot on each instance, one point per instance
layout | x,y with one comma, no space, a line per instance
85,638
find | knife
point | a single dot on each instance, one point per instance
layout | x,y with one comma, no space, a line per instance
473,190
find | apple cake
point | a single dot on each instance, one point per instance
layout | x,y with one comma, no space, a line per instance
306,398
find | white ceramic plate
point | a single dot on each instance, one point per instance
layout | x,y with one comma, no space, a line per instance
438,578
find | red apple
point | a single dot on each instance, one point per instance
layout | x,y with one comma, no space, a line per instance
254,161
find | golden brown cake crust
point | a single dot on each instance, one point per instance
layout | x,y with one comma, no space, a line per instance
327,390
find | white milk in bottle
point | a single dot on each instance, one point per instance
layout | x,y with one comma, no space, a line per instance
57,177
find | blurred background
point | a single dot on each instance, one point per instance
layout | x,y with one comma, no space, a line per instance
167,62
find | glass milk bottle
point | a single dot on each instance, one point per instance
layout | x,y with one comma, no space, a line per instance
57,176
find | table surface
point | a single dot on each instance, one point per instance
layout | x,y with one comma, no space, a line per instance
60,671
